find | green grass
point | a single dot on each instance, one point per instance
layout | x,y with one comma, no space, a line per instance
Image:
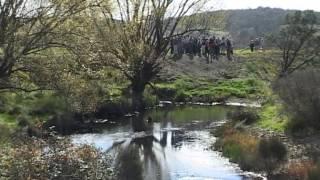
8,120
185,88
271,117
246,53
8,125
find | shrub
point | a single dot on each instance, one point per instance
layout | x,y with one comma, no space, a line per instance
305,170
314,173
36,159
250,152
181,96
272,153
4,133
240,147
301,96
150,100
48,105
114,108
248,115
272,149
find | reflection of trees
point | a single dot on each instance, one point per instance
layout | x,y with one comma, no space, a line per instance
163,139
144,157
128,163
176,138
139,124
139,159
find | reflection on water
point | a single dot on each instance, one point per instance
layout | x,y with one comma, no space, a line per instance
174,146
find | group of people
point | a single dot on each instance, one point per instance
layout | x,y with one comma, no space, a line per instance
211,48
256,44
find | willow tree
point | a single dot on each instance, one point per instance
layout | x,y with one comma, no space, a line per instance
27,28
133,36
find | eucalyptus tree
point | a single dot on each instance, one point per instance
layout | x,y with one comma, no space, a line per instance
133,36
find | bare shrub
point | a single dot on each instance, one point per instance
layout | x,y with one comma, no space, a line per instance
248,115
300,93
38,159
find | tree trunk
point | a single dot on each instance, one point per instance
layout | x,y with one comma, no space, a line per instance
137,96
138,123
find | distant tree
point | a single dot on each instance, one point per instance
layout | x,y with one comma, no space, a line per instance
27,28
299,41
134,35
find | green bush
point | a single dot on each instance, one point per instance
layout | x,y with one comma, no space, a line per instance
150,100
49,105
181,96
233,151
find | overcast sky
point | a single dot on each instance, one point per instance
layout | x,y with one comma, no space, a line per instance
284,4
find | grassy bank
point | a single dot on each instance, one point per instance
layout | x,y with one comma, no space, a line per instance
202,90
263,155
250,152
273,117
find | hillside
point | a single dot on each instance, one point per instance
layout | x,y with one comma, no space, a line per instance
246,24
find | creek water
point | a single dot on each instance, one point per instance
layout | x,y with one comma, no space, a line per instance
175,145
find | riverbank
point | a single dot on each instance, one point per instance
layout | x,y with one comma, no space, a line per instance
242,82
273,152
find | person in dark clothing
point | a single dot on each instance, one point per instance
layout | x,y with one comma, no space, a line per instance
251,45
223,46
212,49
229,49
217,48
172,46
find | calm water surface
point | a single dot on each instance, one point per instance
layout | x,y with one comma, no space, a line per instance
176,145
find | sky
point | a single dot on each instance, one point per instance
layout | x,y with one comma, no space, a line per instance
284,4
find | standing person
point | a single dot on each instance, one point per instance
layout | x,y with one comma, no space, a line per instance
212,48
223,46
251,45
229,49
217,48
261,43
257,44
176,47
180,46
204,47
172,46
195,46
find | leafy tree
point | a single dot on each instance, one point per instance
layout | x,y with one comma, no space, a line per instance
299,41
133,36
